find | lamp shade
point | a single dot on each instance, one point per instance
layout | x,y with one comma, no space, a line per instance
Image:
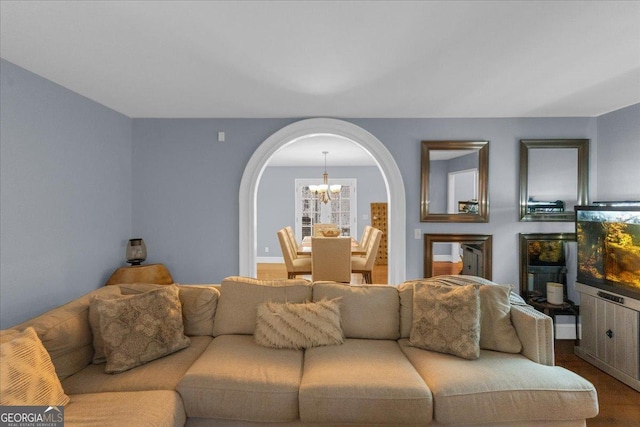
136,251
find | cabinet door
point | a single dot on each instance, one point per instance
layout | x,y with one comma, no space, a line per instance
625,340
617,336
589,323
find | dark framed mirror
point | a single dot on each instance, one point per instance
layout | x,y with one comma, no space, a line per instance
554,177
468,254
547,257
454,181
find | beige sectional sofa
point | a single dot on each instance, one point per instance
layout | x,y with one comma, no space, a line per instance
375,377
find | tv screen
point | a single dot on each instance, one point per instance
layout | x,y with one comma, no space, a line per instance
608,237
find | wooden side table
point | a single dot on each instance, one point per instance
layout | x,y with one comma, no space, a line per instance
567,308
150,273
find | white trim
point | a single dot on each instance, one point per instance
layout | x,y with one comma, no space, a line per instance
390,173
566,331
442,258
270,260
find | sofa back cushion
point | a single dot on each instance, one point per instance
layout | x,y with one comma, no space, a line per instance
66,334
240,297
369,311
199,304
405,290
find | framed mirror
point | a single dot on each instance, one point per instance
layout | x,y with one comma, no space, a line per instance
547,257
468,254
554,177
454,181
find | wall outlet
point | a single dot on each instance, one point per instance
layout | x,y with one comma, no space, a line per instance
221,136
417,234
266,249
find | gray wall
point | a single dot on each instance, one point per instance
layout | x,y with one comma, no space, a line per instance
186,185
619,155
65,199
75,173
276,199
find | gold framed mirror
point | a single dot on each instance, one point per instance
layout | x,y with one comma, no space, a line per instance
554,177
546,257
454,181
468,254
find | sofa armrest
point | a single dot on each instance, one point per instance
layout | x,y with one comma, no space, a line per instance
535,330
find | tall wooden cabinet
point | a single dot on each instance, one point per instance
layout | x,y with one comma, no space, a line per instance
610,334
379,221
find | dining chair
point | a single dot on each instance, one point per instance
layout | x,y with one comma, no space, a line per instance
364,265
294,241
366,234
317,228
331,259
295,265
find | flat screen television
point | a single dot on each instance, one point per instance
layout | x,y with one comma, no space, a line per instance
608,237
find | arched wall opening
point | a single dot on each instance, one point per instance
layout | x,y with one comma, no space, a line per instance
390,172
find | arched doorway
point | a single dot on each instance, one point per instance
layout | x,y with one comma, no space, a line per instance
388,167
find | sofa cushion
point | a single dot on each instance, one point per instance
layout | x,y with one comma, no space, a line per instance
501,387
66,334
369,311
27,376
240,297
447,319
236,379
137,329
199,303
298,326
155,408
362,381
161,374
405,291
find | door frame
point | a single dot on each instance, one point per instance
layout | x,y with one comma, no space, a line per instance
289,134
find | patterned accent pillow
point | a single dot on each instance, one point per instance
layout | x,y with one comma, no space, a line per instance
446,320
297,326
137,329
27,376
99,356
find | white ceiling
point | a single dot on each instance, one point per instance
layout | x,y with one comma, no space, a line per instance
333,58
308,151
263,59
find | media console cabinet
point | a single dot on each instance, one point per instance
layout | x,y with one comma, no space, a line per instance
610,329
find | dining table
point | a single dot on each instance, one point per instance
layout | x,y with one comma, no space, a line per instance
305,247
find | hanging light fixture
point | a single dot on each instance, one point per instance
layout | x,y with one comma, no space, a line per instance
324,190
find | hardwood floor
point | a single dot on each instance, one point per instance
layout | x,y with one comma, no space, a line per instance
268,271
439,268
619,403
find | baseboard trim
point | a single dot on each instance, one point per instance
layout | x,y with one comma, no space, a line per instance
566,331
270,260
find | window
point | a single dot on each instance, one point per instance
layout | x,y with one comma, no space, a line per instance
341,210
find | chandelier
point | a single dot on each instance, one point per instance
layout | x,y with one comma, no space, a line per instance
324,190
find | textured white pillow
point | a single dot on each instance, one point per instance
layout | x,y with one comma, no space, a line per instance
27,377
446,319
297,326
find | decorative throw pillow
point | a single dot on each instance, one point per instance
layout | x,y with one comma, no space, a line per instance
446,319
94,321
297,326
137,329
496,330
27,376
